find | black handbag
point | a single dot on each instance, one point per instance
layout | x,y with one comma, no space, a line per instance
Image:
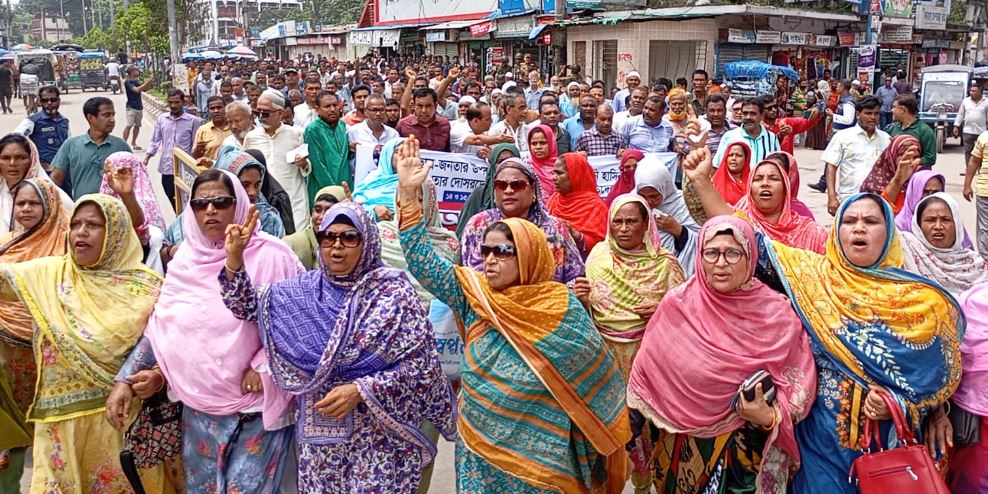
154,438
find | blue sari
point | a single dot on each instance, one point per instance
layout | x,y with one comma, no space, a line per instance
875,325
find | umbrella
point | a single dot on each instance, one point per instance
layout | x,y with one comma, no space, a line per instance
20,47
241,50
192,56
211,55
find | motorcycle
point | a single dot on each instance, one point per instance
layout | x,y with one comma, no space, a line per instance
114,83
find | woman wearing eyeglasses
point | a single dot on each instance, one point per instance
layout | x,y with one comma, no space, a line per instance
517,194
542,403
717,321
876,331
352,343
209,359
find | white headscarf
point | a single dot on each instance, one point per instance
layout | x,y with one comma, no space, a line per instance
652,172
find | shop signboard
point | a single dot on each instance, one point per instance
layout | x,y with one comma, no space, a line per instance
897,34
768,37
931,17
740,36
897,8
867,57
823,40
495,55
798,39
510,27
482,28
850,38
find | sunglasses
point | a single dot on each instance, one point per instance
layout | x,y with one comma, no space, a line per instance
350,238
47,100
516,185
219,203
501,251
262,113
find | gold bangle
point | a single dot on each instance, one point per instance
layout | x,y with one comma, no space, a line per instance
775,421
228,268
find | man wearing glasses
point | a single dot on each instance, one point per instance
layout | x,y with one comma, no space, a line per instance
372,130
48,128
275,140
175,129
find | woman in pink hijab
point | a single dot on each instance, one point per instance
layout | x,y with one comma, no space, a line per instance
717,323
211,361
968,468
542,155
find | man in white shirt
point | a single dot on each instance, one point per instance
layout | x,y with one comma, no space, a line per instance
113,69
275,140
372,130
472,136
514,125
636,106
972,119
852,153
305,113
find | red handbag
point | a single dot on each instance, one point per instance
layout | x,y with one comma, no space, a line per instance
906,469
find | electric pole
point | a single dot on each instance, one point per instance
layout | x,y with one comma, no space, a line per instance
84,28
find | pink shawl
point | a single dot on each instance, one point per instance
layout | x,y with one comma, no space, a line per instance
791,229
142,186
972,394
203,350
720,340
543,167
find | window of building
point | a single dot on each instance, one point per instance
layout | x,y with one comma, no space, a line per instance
605,58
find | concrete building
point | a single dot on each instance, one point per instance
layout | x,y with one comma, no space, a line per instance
53,29
226,19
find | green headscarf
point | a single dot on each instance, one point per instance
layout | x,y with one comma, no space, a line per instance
303,242
482,198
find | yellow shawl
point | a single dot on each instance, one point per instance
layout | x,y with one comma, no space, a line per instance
87,318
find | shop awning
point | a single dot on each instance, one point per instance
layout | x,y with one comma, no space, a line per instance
719,10
452,25
537,31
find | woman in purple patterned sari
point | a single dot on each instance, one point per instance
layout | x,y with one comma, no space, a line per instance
352,342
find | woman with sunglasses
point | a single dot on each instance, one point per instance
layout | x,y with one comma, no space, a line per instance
517,194
482,198
210,360
531,359
251,174
352,343
88,308
717,320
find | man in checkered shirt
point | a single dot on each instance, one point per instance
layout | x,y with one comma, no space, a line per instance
601,140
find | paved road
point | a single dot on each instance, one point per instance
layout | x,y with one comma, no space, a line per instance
950,163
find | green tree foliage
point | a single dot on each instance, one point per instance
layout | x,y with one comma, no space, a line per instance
144,28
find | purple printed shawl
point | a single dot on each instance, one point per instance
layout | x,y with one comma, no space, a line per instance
370,329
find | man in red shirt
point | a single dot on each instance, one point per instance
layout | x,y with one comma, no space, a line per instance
787,128
432,130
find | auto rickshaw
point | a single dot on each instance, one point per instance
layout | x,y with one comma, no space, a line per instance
69,69
37,70
92,70
944,88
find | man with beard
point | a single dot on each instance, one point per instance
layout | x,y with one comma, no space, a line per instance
787,128
392,112
632,80
329,148
600,140
752,132
211,135
240,119
275,140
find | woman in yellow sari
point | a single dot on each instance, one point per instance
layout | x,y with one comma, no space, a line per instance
542,403
874,329
88,308
42,224
627,277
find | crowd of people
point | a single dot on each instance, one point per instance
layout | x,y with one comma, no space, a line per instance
282,333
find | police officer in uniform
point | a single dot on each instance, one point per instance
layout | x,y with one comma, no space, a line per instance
48,128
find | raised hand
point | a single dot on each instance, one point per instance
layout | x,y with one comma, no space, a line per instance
454,72
347,194
121,180
698,165
412,172
237,238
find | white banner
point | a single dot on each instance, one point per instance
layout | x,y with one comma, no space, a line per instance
457,175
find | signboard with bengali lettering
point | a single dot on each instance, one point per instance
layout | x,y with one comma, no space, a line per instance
798,39
931,17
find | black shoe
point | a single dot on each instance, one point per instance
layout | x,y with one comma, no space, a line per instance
818,187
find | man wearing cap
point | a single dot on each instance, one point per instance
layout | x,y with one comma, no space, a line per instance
275,140
569,103
633,80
